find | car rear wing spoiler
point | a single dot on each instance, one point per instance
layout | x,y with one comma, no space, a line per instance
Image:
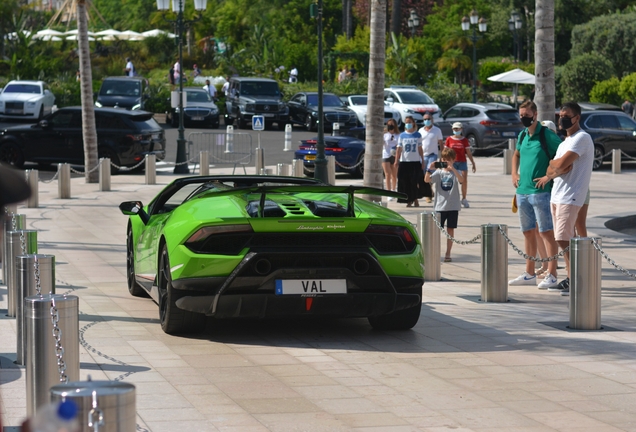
272,189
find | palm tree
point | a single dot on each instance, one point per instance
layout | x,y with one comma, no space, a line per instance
375,91
399,57
454,59
78,9
544,59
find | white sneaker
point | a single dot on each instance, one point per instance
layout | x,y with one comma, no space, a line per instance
524,279
548,282
465,203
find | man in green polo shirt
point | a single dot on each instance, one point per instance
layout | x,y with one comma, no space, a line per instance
536,146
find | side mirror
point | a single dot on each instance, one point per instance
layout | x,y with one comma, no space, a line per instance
389,99
44,124
132,208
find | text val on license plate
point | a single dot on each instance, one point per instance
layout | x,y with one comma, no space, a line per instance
311,286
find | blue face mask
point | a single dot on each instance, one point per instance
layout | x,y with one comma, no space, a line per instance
427,122
457,133
408,125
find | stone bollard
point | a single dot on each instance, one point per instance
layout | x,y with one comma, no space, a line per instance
431,246
260,160
33,178
151,169
585,284
13,222
283,169
21,242
104,174
204,163
507,161
331,170
64,181
616,161
288,138
229,139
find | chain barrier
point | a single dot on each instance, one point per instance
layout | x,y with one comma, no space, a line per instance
95,415
611,261
350,167
461,242
497,145
625,155
495,155
36,269
95,168
528,257
14,221
57,173
143,161
59,349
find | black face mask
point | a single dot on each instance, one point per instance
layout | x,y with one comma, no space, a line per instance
527,121
390,127
565,123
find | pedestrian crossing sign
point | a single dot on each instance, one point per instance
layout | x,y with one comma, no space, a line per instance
258,123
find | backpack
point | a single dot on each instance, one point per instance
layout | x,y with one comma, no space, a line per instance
544,143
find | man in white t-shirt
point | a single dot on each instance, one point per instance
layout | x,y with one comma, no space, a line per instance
210,89
571,170
226,87
130,69
177,72
293,75
432,141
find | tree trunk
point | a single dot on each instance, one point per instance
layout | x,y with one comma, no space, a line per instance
375,91
347,18
544,59
396,17
89,132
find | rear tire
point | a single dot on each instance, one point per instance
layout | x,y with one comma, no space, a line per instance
11,154
359,171
598,157
309,123
400,320
174,320
472,140
133,287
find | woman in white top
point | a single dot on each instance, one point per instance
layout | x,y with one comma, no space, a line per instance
388,155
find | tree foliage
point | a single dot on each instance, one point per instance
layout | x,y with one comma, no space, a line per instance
581,74
607,91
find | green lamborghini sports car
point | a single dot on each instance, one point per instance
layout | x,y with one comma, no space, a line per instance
267,246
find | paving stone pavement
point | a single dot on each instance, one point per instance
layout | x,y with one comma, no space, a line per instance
466,366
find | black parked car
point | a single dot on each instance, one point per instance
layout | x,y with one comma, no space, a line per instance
484,124
130,93
123,136
200,109
609,130
248,97
303,109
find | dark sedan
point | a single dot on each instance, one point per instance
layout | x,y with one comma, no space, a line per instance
200,109
303,110
349,153
123,136
609,130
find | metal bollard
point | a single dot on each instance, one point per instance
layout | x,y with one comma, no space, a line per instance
11,223
26,280
32,177
266,171
151,169
512,144
430,237
288,138
104,174
494,264
335,129
585,284
229,139
204,163
616,161
64,181
283,169
298,168
331,169
260,160
114,400
21,242
42,371
507,161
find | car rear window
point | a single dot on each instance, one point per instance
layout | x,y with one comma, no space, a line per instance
145,121
504,115
22,88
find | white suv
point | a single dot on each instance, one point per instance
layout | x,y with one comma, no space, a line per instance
26,99
411,101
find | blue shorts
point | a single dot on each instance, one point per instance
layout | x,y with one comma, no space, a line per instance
428,159
534,209
460,166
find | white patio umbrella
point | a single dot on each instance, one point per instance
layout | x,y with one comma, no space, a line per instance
130,35
46,34
50,38
157,32
74,37
74,33
516,77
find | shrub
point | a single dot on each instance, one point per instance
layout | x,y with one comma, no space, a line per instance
627,88
607,91
581,73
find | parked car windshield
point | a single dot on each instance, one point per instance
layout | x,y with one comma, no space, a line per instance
119,88
22,88
198,96
260,89
358,100
415,97
327,100
504,115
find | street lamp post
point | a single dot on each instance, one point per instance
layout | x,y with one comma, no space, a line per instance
514,25
181,166
413,22
320,164
466,25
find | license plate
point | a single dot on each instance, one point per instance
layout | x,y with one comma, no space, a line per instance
509,134
311,286
197,118
14,111
310,157
268,115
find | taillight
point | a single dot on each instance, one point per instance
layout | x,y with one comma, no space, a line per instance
220,240
205,232
391,239
334,149
135,137
488,123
